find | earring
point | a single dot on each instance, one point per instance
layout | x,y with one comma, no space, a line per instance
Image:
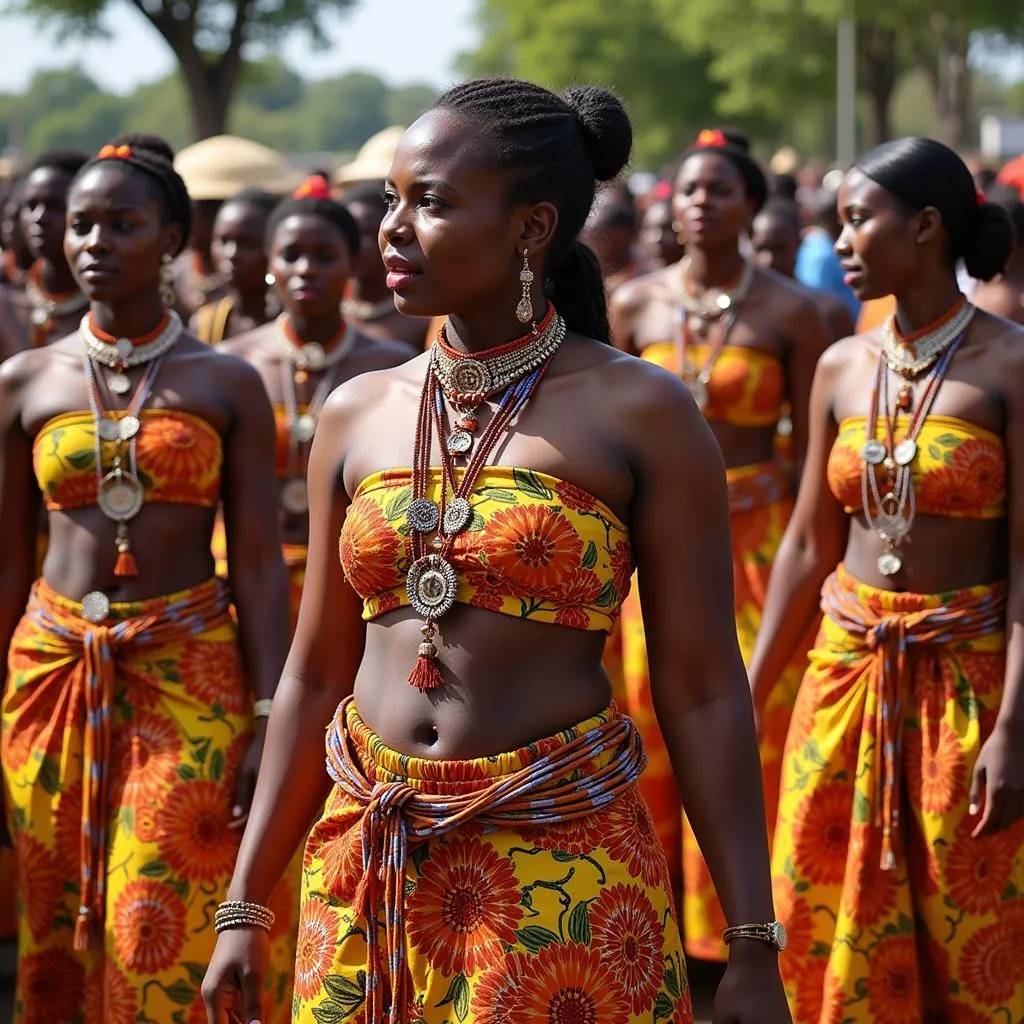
271,305
167,290
524,311
677,229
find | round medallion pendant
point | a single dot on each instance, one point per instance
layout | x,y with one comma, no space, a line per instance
431,586
295,496
891,527
124,349
128,427
470,377
889,564
95,606
120,495
303,429
723,301
699,390
39,317
108,430
457,515
314,354
873,452
119,384
904,452
459,442
422,516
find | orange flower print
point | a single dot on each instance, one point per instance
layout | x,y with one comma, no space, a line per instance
487,590
833,999
465,906
869,893
317,943
74,490
630,838
843,474
18,744
174,450
893,986
343,863
935,768
41,883
51,986
729,381
978,870
67,831
575,498
822,833
149,926
494,993
532,546
622,568
946,489
628,937
147,829
804,980
579,587
572,618
197,842
793,911
212,673
370,549
146,755
581,836
110,997
990,965
984,464
565,984
768,388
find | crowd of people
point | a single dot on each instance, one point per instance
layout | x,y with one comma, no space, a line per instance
563,508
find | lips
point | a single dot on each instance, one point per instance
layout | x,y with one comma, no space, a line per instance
96,270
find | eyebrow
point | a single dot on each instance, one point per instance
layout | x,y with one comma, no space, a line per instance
425,183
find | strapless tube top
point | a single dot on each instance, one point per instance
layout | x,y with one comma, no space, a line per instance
959,470
747,387
537,548
179,457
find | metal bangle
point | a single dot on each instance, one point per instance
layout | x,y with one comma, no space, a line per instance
262,707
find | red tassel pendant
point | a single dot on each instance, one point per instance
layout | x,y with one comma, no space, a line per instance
125,566
425,674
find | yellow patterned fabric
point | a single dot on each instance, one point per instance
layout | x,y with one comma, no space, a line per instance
179,459
895,912
509,917
537,548
959,469
169,721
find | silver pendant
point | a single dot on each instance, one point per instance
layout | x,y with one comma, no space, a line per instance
314,356
723,301
422,516
471,377
108,430
891,527
304,428
128,427
95,606
120,496
431,585
905,452
459,442
124,349
873,452
889,564
119,384
294,496
699,391
457,516
39,317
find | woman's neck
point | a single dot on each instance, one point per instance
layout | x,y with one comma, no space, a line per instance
714,268
1015,269
480,330
133,318
924,303
56,278
250,304
370,290
320,330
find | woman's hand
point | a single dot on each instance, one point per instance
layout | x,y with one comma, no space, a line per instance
751,991
233,986
997,788
245,784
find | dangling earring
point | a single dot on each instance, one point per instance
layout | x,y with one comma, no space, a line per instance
167,292
524,311
677,228
271,304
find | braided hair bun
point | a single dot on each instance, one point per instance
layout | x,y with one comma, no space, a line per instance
607,132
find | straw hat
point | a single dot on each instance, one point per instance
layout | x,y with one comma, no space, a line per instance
222,166
373,161
785,161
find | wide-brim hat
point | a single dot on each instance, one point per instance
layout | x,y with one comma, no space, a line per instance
224,165
373,161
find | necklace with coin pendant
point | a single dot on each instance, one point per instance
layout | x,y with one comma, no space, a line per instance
122,353
46,307
698,380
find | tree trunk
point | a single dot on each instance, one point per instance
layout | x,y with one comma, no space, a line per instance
209,96
952,81
880,70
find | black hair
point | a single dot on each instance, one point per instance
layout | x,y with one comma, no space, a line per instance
923,173
736,150
784,187
555,149
612,212
366,193
1009,199
787,212
314,206
265,202
67,161
149,159
143,140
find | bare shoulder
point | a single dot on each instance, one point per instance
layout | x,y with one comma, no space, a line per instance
1004,344
638,291
246,344
364,393
789,298
380,353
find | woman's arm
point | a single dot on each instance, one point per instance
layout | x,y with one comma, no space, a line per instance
812,547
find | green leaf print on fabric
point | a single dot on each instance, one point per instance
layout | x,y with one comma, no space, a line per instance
529,483
344,998
535,937
457,996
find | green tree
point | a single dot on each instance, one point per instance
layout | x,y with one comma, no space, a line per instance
86,125
270,84
407,102
342,113
622,45
209,39
161,105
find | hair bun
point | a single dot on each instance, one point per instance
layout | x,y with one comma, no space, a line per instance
607,133
986,253
146,143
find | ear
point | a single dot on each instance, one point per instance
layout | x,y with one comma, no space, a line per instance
539,223
929,225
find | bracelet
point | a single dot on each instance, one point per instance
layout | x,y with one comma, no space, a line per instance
261,708
240,914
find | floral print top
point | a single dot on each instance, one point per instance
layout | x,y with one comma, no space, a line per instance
179,457
537,548
959,469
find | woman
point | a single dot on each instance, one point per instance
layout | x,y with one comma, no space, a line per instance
239,257
518,900
1005,295
745,343
659,239
17,259
129,749
899,853
369,303
310,349
50,303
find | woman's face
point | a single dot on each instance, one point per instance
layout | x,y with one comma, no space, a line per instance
311,264
44,200
450,240
239,246
711,201
368,265
658,240
878,243
775,243
116,237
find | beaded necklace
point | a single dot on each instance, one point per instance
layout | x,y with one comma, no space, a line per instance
121,353
46,307
711,303
697,379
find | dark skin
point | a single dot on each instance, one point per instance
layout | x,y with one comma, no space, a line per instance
886,251
12,238
776,317
115,239
195,275
42,214
601,420
239,258
658,240
1004,296
612,242
311,263
368,283
775,245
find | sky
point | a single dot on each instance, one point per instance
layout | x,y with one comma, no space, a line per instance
400,40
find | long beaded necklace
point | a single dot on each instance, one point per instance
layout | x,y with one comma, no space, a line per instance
710,304
432,581
119,354
698,379
311,355
45,307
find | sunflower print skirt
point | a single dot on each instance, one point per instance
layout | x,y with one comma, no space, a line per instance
939,936
579,915
180,722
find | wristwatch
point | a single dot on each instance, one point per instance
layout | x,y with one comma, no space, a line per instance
773,933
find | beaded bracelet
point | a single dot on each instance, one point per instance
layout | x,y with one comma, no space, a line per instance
240,914
261,708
